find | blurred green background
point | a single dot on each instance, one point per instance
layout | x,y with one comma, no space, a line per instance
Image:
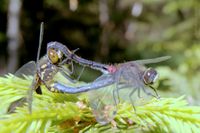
109,32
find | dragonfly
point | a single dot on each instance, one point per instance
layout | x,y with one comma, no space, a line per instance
133,75
44,70
58,54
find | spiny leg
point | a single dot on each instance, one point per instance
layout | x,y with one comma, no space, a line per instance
155,91
65,61
115,101
115,91
73,51
148,93
118,88
79,76
66,76
130,97
114,98
72,68
139,93
65,69
69,60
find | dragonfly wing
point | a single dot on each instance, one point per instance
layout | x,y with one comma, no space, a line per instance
18,103
102,101
151,61
28,69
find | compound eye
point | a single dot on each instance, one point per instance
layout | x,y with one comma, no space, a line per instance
53,56
150,76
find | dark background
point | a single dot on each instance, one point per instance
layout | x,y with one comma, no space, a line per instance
111,32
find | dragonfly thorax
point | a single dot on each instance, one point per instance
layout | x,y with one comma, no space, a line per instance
150,76
46,70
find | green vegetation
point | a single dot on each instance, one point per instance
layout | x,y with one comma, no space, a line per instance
61,113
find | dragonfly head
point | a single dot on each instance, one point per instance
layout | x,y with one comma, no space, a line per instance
150,76
58,53
55,55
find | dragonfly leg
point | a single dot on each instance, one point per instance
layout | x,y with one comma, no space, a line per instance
72,68
71,72
116,91
114,97
65,70
119,87
139,93
130,97
148,93
69,56
155,91
79,76
67,61
66,76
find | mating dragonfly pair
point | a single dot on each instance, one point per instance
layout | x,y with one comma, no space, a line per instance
132,76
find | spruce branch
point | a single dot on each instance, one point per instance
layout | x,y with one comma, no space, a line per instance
54,112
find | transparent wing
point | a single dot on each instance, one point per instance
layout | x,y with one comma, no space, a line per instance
21,77
102,101
18,103
28,69
151,61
